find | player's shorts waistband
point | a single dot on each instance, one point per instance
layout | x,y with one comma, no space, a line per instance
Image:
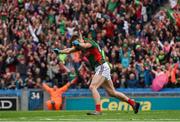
100,63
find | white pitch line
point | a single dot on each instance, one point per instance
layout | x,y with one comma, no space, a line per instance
90,120
155,120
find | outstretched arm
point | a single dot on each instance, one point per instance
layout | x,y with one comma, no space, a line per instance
65,51
85,45
67,85
68,50
78,44
172,41
160,43
35,38
46,87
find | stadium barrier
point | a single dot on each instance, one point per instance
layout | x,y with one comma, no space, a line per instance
112,104
167,99
80,99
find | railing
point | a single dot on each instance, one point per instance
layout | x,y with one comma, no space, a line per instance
86,92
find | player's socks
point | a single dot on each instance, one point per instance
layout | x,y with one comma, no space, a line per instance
98,107
131,102
135,105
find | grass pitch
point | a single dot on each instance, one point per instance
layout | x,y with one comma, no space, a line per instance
80,116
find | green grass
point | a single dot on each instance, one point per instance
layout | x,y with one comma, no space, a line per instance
80,116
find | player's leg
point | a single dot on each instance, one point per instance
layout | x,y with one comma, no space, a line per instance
108,85
97,81
49,105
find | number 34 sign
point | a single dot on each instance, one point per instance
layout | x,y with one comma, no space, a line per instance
35,99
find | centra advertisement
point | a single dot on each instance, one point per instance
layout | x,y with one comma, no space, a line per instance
112,104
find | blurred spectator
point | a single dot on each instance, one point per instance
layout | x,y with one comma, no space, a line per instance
132,82
18,81
135,41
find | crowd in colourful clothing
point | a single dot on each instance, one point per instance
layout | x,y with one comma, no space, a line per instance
138,45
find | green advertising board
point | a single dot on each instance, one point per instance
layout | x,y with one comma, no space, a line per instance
112,104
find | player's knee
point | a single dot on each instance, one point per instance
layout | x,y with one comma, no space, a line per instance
92,87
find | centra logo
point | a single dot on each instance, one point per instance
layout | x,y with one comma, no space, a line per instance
114,105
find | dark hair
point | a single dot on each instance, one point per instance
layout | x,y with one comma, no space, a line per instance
74,37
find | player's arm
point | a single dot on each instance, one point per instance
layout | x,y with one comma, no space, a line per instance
65,51
85,45
68,50
81,43
76,43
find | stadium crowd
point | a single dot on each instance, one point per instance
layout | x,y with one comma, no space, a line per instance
138,45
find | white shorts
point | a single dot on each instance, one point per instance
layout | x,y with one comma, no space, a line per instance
103,70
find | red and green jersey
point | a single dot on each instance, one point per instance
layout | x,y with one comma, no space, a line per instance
94,54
